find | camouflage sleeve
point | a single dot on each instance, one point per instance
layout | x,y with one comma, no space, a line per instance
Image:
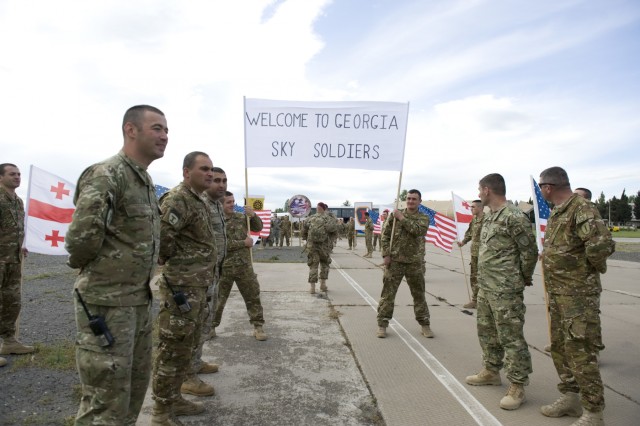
175,216
522,234
95,199
255,223
415,225
468,235
599,244
305,229
385,236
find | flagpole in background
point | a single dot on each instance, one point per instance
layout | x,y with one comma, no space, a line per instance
246,181
467,283
535,189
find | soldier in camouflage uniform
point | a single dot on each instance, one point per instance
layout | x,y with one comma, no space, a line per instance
238,267
404,257
113,240
11,256
214,195
473,234
368,234
188,253
351,233
506,260
377,236
576,247
319,230
274,232
285,230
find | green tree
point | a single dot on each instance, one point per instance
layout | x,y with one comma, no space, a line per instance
636,206
624,209
601,203
346,203
286,206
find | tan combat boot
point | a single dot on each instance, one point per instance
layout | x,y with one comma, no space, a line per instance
426,331
382,332
162,415
195,386
208,368
259,333
567,405
323,285
212,334
11,346
184,407
368,255
514,397
3,362
312,288
484,378
589,418
470,305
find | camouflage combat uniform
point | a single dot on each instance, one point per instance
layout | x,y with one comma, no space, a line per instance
219,229
377,237
576,247
188,250
11,238
274,235
285,230
351,233
114,240
238,268
368,235
506,260
319,252
473,234
407,260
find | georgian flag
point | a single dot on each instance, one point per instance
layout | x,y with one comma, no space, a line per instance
48,212
463,215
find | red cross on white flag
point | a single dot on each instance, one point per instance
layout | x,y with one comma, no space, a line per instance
49,210
463,215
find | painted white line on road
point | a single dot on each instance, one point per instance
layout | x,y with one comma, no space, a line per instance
625,293
479,413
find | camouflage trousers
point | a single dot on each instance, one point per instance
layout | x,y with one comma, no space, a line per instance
377,241
247,282
576,341
207,322
318,257
500,331
473,278
351,241
10,297
414,273
179,335
368,238
283,236
114,378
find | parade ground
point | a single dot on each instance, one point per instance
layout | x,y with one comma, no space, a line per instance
324,365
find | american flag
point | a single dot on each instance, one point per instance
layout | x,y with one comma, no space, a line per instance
375,218
542,213
442,230
265,217
160,190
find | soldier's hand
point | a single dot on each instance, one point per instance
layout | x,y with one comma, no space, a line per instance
248,242
398,214
528,283
387,260
248,210
460,244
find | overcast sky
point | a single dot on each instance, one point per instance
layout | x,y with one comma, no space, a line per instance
506,86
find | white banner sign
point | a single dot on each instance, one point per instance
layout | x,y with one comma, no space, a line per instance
353,135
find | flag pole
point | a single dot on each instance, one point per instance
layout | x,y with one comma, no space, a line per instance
467,282
246,180
393,226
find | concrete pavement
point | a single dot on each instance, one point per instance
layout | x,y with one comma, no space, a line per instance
323,364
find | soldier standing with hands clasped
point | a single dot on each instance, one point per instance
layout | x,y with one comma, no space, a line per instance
506,260
188,253
113,240
576,247
11,257
404,258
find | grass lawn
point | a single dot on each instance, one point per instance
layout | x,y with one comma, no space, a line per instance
626,234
